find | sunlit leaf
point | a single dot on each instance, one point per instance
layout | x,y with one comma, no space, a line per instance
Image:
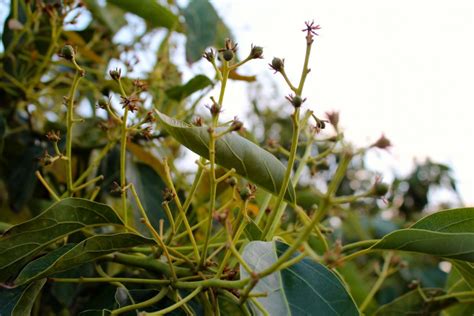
232,151
448,234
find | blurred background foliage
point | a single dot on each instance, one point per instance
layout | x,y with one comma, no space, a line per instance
163,41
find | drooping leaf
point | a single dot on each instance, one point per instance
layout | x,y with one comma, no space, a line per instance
183,91
151,11
19,301
70,255
21,242
232,151
301,289
447,234
412,303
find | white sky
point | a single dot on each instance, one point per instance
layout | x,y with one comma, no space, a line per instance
403,68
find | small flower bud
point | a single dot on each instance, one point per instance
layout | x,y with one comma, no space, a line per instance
103,103
333,118
46,159
53,136
150,117
209,55
379,189
115,188
197,121
115,73
232,181
248,192
256,52
277,64
228,54
67,52
382,143
295,100
168,195
236,125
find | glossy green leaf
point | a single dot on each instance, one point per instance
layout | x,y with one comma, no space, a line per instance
19,301
448,234
21,242
301,289
70,255
151,11
183,91
412,303
232,151
204,28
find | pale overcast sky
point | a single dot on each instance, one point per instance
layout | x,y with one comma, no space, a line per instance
403,68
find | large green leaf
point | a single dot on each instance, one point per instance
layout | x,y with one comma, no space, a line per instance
183,91
19,301
232,151
69,256
151,11
204,28
302,289
447,234
21,242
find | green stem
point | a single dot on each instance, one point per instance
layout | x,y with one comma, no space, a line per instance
148,263
275,216
70,123
110,280
383,275
360,244
177,304
151,301
212,163
123,165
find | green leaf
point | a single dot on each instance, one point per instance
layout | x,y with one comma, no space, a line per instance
111,16
19,301
253,231
69,256
204,28
466,270
183,91
21,242
232,151
447,234
302,289
148,185
229,304
151,11
412,303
